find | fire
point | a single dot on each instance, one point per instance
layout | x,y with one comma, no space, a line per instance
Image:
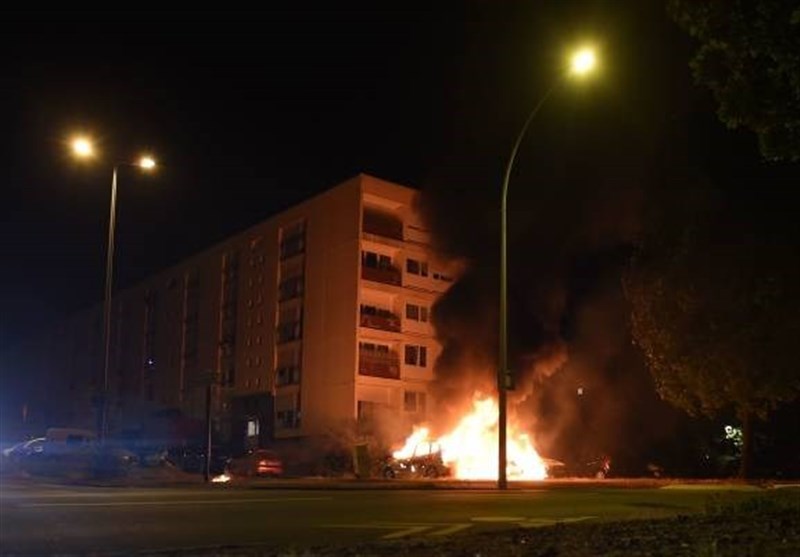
470,449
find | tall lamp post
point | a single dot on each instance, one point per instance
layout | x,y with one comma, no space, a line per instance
581,63
83,148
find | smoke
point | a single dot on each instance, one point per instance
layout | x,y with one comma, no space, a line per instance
574,213
576,197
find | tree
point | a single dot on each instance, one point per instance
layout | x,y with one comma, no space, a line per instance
749,57
715,310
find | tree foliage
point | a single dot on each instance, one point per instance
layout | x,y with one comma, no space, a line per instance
715,313
749,57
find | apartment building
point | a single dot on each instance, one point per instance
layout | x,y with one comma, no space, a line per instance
315,322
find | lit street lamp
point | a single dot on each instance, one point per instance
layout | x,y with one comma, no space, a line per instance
581,63
83,148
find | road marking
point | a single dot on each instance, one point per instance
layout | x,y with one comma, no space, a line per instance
173,503
450,530
542,522
406,529
407,532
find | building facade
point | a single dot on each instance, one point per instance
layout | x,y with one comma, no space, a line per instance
313,323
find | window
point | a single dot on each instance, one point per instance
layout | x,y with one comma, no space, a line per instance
378,349
417,267
414,401
253,427
366,410
417,313
416,355
375,260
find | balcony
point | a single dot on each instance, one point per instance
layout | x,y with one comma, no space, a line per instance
287,375
383,224
382,319
290,288
386,275
293,245
287,332
379,364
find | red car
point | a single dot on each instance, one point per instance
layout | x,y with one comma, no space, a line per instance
259,462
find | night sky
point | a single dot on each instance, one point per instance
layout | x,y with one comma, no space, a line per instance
251,112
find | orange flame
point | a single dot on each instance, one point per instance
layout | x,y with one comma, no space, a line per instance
470,449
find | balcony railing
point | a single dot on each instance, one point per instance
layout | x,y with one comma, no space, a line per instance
288,332
292,246
377,364
383,321
287,375
290,288
386,275
382,224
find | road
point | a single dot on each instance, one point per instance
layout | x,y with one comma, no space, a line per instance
40,520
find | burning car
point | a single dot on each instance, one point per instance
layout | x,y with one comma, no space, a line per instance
424,462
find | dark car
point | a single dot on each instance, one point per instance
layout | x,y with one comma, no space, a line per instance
192,459
258,462
598,468
555,468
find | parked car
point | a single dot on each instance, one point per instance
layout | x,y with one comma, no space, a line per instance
193,459
21,450
13,458
555,468
598,468
426,463
258,462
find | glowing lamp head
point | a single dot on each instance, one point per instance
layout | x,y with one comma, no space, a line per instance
147,163
583,62
82,147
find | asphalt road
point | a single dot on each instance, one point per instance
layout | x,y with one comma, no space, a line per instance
41,520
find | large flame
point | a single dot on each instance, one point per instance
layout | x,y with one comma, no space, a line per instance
470,449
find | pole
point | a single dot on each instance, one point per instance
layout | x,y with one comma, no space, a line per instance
207,468
107,304
504,376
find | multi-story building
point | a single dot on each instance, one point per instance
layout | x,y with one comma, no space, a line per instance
315,322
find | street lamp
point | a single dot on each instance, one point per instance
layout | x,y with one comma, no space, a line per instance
581,63
83,148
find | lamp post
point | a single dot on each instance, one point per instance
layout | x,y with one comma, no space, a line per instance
83,148
581,63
